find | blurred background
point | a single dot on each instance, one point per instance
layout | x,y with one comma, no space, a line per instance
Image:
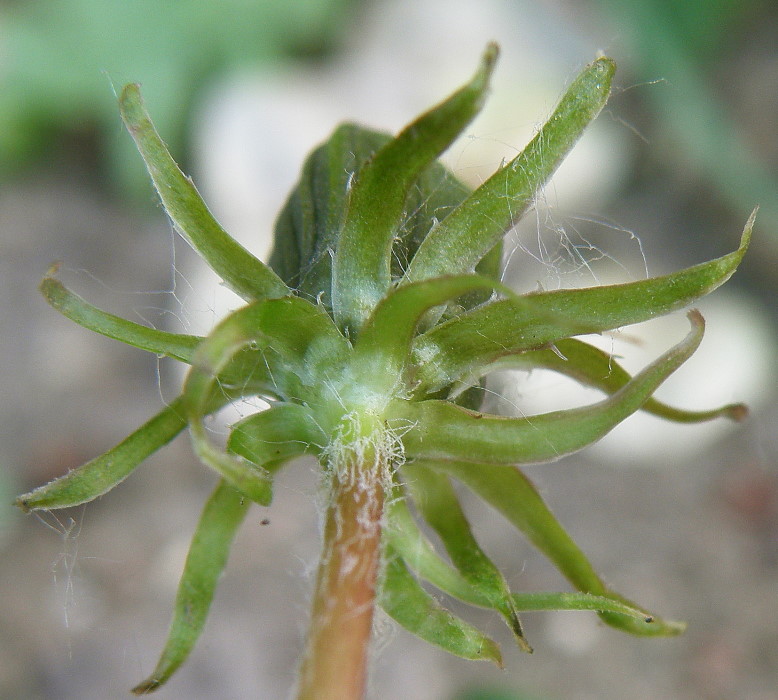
683,520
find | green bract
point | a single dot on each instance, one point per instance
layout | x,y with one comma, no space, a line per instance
380,313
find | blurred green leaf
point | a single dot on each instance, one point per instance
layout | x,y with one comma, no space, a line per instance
61,56
489,693
681,43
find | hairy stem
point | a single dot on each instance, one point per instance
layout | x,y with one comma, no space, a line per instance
336,659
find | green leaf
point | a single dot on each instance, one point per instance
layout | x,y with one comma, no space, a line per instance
101,474
461,346
509,491
178,346
240,270
469,232
404,600
382,350
595,368
362,266
442,430
221,517
307,229
280,433
438,504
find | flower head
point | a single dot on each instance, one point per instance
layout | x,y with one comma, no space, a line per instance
370,332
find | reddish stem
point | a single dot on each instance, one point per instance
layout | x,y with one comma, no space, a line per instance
336,658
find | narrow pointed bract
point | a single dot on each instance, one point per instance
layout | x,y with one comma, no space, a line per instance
458,347
385,342
223,513
370,337
437,502
408,603
176,345
467,234
447,431
362,267
100,475
419,555
240,270
597,369
509,491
